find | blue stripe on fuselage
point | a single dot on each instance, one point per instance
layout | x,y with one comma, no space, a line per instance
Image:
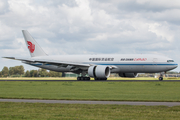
39,64
137,64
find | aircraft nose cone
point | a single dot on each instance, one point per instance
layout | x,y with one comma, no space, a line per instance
175,65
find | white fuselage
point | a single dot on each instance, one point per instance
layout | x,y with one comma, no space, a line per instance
124,63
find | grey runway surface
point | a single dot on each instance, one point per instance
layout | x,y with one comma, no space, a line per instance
170,104
95,80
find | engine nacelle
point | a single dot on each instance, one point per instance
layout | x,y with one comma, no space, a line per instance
130,75
99,71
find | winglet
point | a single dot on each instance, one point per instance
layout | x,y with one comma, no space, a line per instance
34,49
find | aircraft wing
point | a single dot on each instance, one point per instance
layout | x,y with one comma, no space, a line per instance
56,62
52,62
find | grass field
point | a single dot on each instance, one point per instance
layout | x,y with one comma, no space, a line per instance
131,91
38,111
119,91
74,78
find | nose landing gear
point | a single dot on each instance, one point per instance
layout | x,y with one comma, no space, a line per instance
161,76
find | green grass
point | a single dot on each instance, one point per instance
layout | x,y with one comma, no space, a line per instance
41,111
119,91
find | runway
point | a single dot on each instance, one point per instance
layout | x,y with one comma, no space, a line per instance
95,80
170,104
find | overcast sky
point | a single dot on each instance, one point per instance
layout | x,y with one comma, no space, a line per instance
90,27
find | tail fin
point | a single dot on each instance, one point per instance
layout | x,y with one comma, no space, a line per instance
34,49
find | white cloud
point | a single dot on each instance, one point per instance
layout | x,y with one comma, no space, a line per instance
90,26
159,3
162,31
4,6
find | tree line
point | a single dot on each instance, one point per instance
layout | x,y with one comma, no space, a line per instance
19,71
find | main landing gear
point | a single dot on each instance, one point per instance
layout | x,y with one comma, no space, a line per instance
83,78
100,79
88,78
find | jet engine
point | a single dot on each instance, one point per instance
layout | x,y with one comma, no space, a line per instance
129,75
99,71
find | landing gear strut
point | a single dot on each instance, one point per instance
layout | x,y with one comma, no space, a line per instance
161,76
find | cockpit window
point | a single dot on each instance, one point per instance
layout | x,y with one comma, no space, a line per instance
170,60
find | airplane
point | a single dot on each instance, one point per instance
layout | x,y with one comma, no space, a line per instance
98,67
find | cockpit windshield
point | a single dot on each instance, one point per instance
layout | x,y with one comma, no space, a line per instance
170,60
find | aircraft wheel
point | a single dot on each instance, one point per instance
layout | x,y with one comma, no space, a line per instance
83,78
78,78
160,78
86,78
100,78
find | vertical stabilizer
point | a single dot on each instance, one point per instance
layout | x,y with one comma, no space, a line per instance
34,49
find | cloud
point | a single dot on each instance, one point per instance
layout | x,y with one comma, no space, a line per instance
90,27
4,7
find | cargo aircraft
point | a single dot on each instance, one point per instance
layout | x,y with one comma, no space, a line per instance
98,67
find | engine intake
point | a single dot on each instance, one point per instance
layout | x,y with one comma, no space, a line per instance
130,75
99,71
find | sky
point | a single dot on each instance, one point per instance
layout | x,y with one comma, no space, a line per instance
63,27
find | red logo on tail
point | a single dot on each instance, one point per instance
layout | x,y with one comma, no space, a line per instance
31,46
